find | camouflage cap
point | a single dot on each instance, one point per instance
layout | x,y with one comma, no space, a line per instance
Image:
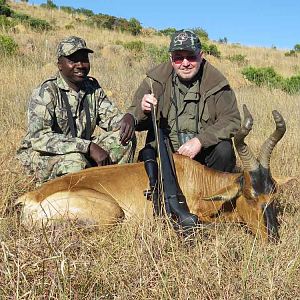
184,40
70,45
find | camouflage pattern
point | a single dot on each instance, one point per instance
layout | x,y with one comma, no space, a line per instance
70,45
185,40
48,149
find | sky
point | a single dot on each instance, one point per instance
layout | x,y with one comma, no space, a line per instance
262,23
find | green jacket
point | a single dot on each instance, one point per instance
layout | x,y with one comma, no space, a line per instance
219,117
48,130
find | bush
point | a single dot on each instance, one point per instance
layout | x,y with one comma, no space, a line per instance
33,23
7,45
210,49
39,25
7,23
240,59
5,10
135,46
291,53
67,9
291,85
297,47
263,76
84,11
157,54
203,35
134,26
49,5
168,31
104,21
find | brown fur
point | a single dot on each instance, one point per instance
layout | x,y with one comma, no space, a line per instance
104,195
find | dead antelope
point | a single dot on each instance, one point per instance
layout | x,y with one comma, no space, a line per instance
105,195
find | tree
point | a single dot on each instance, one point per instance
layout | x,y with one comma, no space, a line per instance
297,47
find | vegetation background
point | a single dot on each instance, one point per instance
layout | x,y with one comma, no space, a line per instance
140,259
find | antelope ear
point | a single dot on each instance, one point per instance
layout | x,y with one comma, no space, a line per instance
226,194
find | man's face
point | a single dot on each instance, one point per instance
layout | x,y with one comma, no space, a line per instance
186,63
75,67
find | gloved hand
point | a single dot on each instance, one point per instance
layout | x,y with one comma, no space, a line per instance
99,155
127,129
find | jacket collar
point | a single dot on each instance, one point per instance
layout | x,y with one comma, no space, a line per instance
62,84
211,80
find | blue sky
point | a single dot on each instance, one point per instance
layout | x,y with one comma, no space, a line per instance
263,23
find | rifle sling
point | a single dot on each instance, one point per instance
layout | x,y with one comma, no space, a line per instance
71,120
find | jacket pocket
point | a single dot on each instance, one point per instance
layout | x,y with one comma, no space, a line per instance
205,114
62,119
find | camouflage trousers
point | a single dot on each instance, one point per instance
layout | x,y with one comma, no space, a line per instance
44,167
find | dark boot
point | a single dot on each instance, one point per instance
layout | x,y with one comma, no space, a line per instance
181,214
148,155
175,201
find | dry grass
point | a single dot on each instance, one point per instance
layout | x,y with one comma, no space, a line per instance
143,260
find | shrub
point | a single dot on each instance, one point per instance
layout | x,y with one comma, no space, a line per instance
5,10
134,26
135,46
67,9
7,45
157,54
203,35
297,47
100,20
49,5
240,59
7,23
263,76
39,25
291,85
84,11
210,49
291,53
33,23
168,31
223,40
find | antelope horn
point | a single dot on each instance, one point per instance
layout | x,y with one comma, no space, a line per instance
248,159
268,146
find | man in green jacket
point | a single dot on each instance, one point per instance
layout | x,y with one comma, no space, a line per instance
63,113
195,104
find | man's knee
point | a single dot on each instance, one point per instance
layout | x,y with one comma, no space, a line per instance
45,168
224,151
224,157
110,141
219,157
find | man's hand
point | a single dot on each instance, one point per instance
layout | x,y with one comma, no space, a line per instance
127,129
99,155
147,100
191,148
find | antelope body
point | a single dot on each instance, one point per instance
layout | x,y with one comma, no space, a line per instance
106,195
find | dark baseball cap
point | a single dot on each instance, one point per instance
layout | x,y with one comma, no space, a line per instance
70,45
185,40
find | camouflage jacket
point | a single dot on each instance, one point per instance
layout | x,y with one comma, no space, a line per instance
218,114
48,128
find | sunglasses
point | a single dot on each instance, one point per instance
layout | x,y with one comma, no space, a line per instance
178,59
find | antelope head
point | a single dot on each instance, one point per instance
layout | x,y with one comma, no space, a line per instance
254,189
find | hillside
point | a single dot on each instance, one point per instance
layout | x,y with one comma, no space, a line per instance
142,260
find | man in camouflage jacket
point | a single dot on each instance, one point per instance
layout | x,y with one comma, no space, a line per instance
62,115
195,104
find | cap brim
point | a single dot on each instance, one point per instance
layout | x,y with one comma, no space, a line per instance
191,49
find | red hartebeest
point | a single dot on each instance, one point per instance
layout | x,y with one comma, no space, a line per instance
104,195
